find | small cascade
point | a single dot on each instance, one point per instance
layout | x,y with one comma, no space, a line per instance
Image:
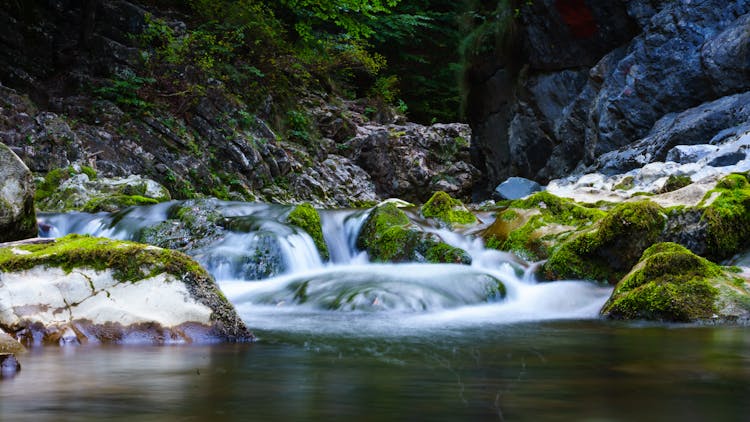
274,274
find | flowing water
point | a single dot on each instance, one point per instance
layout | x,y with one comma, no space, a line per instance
352,340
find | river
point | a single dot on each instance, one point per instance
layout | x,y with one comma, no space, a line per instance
353,340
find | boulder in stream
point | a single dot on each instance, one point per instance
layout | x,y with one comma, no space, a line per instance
81,289
670,283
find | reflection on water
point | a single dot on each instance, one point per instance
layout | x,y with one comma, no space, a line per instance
566,371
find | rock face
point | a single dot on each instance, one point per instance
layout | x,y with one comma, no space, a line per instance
656,74
110,292
17,216
413,161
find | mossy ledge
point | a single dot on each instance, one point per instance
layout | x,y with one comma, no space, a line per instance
448,210
307,218
129,263
670,283
389,236
611,248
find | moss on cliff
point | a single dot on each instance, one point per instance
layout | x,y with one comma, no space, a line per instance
307,218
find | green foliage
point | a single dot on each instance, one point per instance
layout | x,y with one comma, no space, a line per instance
675,182
307,218
126,89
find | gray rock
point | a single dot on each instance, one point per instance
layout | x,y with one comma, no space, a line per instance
684,154
413,161
728,159
17,215
9,365
726,58
516,188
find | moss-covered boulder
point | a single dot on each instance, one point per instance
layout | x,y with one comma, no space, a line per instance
307,218
611,248
449,211
670,283
82,289
78,188
533,227
727,217
389,236
17,216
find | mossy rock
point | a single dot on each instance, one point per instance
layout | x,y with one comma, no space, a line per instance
389,236
448,210
611,247
534,227
675,182
116,202
307,218
727,217
670,283
83,264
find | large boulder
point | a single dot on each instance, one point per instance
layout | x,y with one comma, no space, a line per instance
17,216
672,284
412,161
80,289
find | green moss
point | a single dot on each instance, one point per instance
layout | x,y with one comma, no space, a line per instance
625,184
675,182
444,253
116,203
389,236
612,247
51,182
669,283
535,226
448,210
728,217
307,218
129,261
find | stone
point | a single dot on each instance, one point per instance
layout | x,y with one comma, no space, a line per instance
517,188
9,365
80,289
684,154
17,215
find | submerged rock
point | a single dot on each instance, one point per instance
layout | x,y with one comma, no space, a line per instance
9,365
17,216
672,284
81,289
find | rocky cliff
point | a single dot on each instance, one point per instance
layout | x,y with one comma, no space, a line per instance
592,77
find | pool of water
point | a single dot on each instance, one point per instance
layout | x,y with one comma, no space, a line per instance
543,371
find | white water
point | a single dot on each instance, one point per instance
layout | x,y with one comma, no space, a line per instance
349,294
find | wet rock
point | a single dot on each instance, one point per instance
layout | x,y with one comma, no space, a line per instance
335,182
17,215
388,235
9,365
684,154
120,292
517,188
9,344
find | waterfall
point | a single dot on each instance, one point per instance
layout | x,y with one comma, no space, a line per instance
274,274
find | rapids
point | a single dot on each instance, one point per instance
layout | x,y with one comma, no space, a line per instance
297,291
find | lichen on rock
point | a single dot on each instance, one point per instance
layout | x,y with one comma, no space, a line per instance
670,283
83,289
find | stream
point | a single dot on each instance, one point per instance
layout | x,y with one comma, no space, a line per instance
349,339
